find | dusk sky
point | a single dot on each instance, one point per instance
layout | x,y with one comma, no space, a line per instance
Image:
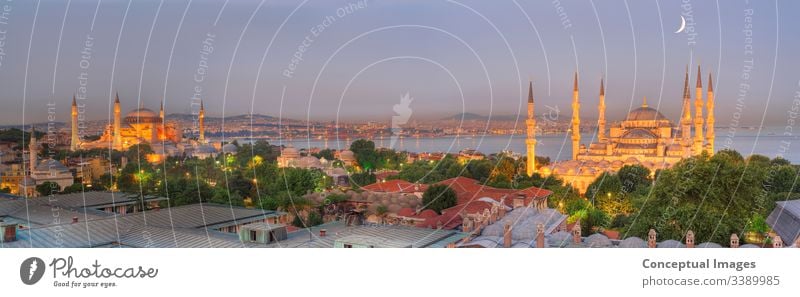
451,57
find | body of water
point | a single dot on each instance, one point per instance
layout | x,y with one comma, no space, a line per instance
771,142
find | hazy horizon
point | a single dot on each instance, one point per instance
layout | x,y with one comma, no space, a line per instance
363,59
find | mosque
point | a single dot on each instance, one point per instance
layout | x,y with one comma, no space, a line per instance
144,126
645,137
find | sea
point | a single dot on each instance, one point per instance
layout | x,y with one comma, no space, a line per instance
769,141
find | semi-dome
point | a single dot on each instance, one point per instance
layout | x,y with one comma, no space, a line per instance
639,133
645,113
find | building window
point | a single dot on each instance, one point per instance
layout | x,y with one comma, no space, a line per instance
253,235
348,246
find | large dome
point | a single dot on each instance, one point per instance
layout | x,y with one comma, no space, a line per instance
645,113
141,115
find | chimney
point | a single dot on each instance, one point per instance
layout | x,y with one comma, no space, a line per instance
8,232
797,242
734,241
507,235
519,201
576,232
777,242
651,238
74,219
451,245
466,225
502,207
322,232
690,239
540,236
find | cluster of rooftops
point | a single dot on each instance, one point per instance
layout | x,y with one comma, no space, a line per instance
114,219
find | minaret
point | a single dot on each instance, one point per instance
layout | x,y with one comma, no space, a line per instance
710,120
686,118
576,119
201,123
601,118
74,139
32,150
161,112
117,143
698,115
530,142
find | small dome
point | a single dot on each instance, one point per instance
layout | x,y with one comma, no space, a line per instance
560,239
597,240
670,244
427,214
51,165
749,246
633,243
631,160
709,245
309,162
347,155
290,152
229,148
206,149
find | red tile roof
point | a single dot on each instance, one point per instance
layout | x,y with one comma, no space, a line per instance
385,174
395,186
469,191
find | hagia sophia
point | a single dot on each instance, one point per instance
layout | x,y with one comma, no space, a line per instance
645,137
140,125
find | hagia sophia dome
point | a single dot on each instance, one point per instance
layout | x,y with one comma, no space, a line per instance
142,115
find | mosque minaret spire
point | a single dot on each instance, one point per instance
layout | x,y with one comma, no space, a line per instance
117,133
698,116
601,118
710,120
576,118
530,141
74,139
686,118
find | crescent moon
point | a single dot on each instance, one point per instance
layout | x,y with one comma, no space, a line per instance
683,25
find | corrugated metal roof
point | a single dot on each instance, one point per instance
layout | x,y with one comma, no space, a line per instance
785,220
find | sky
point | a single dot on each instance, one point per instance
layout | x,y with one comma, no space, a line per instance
349,60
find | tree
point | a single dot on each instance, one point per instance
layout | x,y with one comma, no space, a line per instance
326,153
358,180
780,161
633,176
439,197
714,197
74,188
48,188
479,170
364,151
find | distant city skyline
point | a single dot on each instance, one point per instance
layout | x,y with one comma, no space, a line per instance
361,57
